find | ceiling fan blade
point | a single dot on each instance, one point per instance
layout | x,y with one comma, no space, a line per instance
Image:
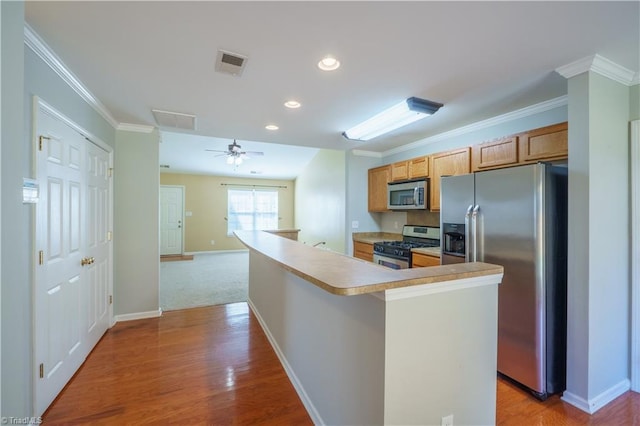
216,150
258,153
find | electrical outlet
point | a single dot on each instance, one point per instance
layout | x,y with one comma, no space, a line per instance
213,242
447,420
395,225
355,224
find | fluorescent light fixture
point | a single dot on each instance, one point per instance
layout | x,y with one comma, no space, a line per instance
399,115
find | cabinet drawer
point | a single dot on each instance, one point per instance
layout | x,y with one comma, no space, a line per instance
419,260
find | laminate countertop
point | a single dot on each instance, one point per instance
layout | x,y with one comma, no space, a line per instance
374,237
345,275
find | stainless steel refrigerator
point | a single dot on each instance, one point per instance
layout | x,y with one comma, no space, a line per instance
516,217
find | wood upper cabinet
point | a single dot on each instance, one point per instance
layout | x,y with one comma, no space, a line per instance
419,260
419,167
546,143
450,163
498,153
399,171
378,179
363,251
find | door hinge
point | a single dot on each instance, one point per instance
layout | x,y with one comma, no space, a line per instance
110,299
40,139
109,235
110,172
42,371
41,257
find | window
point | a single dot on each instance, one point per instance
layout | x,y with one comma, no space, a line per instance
250,209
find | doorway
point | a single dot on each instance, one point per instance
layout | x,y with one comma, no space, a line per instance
171,220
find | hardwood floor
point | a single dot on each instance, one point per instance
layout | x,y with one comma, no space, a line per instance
209,365
214,365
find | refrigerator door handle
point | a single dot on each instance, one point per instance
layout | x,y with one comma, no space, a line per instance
467,234
474,224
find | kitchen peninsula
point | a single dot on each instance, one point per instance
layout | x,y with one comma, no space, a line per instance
364,344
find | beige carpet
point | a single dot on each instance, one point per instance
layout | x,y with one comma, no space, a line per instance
208,279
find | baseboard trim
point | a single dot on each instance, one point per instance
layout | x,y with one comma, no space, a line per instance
138,315
215,251
306,401
594,404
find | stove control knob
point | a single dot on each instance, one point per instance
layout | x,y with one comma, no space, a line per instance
396,252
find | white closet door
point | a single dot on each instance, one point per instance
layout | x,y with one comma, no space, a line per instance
60,275
73,259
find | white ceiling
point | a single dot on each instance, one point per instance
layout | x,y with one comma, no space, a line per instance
481,59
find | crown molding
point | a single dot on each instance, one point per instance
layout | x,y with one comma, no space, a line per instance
139,128
602,66
33,41
504,118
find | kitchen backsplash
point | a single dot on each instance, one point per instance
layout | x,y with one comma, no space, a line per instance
393,221
423,217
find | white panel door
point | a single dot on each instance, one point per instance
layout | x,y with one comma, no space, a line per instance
97,285
171,217
60,240
73,253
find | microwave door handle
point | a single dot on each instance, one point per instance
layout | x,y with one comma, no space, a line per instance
474,221
415,196
467,234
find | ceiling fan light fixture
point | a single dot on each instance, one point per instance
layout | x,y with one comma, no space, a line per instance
271,127
229,160
399,115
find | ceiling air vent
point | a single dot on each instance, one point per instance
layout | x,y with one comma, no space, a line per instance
230,63
178,120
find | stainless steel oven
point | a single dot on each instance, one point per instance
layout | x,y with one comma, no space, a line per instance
390,262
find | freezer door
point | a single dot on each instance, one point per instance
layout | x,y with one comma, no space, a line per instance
456,195
509,234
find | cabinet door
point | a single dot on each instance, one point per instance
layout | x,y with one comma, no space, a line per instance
546,143
378,179
450,163
499,153
419,167
363,251
419,260
400,171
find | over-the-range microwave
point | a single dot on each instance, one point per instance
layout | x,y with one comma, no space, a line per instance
408,195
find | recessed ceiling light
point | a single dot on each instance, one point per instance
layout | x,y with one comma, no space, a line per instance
292,104
271,127
329,63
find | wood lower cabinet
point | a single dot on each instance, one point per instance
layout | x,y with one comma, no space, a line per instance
419,260
363,251
378,179
450,163
495,154
546,143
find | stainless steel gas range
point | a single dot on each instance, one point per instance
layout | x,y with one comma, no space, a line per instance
397,254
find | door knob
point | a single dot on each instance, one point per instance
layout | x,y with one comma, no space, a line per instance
87,261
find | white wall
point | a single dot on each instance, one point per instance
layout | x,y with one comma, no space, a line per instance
599,252
320,200
14,239
136,218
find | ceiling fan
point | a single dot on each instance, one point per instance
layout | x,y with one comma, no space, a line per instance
235,154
